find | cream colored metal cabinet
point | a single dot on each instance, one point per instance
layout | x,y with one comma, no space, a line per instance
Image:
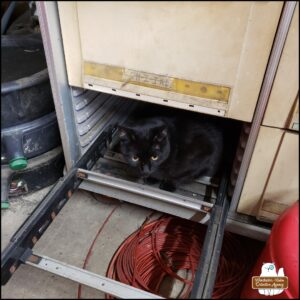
286,85
208,57
272,181
282,188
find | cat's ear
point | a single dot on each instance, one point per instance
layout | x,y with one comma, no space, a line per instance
161,135
125,133
122,131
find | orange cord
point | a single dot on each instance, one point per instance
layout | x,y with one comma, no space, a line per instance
163,247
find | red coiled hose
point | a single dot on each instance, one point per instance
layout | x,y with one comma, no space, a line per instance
161,248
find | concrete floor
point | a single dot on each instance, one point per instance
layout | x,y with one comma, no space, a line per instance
68,239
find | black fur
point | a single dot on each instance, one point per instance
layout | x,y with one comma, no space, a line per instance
173,146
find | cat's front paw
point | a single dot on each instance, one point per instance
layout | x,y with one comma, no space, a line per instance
167,186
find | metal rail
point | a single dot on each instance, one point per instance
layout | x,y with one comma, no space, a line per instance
204,281
62,93
146,191
101,283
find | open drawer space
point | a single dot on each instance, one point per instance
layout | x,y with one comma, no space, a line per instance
19,249
101,170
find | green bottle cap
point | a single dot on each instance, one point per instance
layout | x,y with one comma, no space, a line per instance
4,205
18,163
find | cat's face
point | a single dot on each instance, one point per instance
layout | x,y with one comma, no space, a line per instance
145,146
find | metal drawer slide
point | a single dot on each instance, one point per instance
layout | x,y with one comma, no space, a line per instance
19,250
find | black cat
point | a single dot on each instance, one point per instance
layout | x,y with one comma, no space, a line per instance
172,146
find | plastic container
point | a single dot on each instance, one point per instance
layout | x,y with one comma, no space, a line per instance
282,249
25,87
29,139
48,166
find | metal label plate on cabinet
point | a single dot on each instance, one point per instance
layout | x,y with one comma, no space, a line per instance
127,76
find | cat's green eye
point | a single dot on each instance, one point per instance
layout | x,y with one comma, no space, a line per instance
135,158
154,157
